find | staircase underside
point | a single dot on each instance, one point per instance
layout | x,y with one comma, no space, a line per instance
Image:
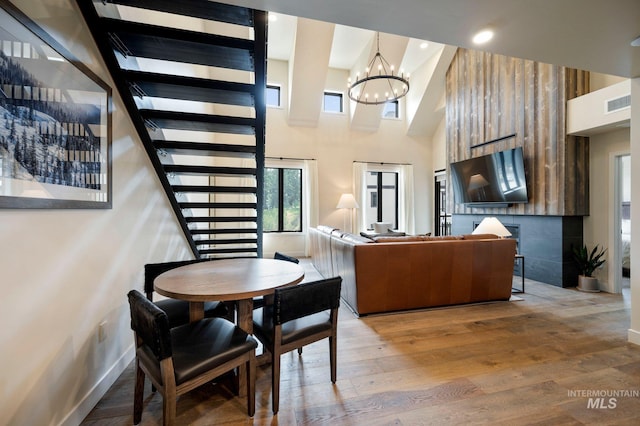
192,75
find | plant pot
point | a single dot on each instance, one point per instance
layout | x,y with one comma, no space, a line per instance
588,284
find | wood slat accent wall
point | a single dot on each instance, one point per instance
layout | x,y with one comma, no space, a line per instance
491,96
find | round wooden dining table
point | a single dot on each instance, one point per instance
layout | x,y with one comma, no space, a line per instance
238,280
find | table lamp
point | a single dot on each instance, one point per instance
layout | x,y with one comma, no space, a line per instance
491,225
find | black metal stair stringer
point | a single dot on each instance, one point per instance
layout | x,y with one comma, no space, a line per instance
93,20
116,37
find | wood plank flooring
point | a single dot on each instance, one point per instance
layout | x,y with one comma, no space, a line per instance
505,363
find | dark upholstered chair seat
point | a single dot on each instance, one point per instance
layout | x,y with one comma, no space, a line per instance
202,346
293,330
178,310
179,359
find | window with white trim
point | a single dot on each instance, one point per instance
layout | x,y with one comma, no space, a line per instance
272,95
333,102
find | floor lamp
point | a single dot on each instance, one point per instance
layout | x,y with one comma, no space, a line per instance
348,201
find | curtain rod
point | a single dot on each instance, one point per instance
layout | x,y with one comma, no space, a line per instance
383,163
289,158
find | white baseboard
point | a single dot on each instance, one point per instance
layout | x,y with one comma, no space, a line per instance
91,399
634,337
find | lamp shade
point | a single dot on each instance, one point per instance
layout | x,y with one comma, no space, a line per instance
347,201
491,225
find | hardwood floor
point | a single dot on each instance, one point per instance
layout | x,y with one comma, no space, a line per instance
533,361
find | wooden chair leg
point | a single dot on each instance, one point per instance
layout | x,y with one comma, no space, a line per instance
332,357
251,386
138,394
169,394
275,382
169,409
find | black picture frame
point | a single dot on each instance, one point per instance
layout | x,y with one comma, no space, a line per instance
55,122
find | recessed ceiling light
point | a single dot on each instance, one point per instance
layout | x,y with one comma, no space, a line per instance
272,17
482,36
424,45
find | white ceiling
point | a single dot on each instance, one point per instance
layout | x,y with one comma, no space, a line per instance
348,44
593,35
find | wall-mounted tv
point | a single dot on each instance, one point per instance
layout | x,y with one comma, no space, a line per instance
493,178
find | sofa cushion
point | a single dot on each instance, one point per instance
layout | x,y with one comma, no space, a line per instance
444,238
398,239
389,233
479,237
326,229
357,239
337,233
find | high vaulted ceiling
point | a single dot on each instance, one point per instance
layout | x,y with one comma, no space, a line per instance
311,47
593,35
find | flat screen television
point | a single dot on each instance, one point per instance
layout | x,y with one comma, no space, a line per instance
488,179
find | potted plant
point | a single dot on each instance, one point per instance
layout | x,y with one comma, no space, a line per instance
588,261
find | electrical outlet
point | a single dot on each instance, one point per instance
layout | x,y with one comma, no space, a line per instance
102,331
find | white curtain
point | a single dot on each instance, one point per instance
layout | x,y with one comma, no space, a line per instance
405,202
360,194
310,200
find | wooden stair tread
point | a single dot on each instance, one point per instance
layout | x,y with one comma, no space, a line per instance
195,8
199,122
206,149
215,189
187,169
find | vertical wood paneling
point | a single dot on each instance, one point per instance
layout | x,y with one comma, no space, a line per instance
490,96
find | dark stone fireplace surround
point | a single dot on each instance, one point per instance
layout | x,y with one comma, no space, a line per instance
546,242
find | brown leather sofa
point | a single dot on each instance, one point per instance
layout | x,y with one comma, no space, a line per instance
387,274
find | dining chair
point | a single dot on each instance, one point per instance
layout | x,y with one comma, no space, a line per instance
281,256
178,360
300,315
258,302
178,310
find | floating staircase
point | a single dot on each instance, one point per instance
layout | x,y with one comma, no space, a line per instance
192,74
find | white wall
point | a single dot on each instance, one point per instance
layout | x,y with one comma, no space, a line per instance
335,147
597,227
66,271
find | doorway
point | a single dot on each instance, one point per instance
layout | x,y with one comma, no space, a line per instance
442,218
621,267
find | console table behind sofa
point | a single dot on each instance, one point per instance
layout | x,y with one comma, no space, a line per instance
414,272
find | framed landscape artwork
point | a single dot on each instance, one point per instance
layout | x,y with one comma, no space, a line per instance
55,122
